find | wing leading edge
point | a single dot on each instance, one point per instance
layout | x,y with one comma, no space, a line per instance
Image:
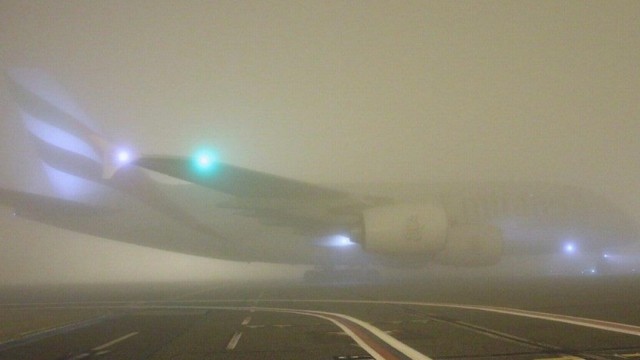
237,181
276,200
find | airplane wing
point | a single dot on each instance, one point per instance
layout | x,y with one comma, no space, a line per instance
275,200
240,182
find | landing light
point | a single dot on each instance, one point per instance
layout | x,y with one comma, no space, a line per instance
337,241
341,240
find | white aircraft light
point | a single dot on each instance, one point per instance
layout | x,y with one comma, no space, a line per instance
337,241
123,156
342,240
569,248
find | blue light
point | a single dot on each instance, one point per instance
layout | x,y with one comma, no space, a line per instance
337,241
341,240
123,156
569,248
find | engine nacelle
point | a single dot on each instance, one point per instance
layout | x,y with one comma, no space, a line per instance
404,229
471,245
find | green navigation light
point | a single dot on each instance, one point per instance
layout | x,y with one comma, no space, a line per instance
204,161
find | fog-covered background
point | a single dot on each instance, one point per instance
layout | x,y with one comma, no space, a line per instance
332,91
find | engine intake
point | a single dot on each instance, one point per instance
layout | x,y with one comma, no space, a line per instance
471,245
404,229
419,233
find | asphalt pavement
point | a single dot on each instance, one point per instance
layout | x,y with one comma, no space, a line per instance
444,318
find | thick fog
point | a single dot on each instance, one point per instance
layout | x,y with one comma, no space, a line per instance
327,92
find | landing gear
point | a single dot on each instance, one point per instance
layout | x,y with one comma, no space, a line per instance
333,275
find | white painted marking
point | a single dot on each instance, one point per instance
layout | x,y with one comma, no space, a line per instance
494,334
341,333
586,322
574,320
592,323
113,342
384,337
391,341
246,320
26,333
347,331
103,352
630,356
234,340
45,329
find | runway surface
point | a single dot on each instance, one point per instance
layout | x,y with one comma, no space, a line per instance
445,318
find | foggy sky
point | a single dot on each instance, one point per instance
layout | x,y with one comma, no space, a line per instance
343,91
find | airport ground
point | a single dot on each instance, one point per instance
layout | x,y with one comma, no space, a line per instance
438,318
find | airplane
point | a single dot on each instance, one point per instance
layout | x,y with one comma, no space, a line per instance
219,210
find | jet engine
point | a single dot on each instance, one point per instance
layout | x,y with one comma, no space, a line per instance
471,245
404,229
422,232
